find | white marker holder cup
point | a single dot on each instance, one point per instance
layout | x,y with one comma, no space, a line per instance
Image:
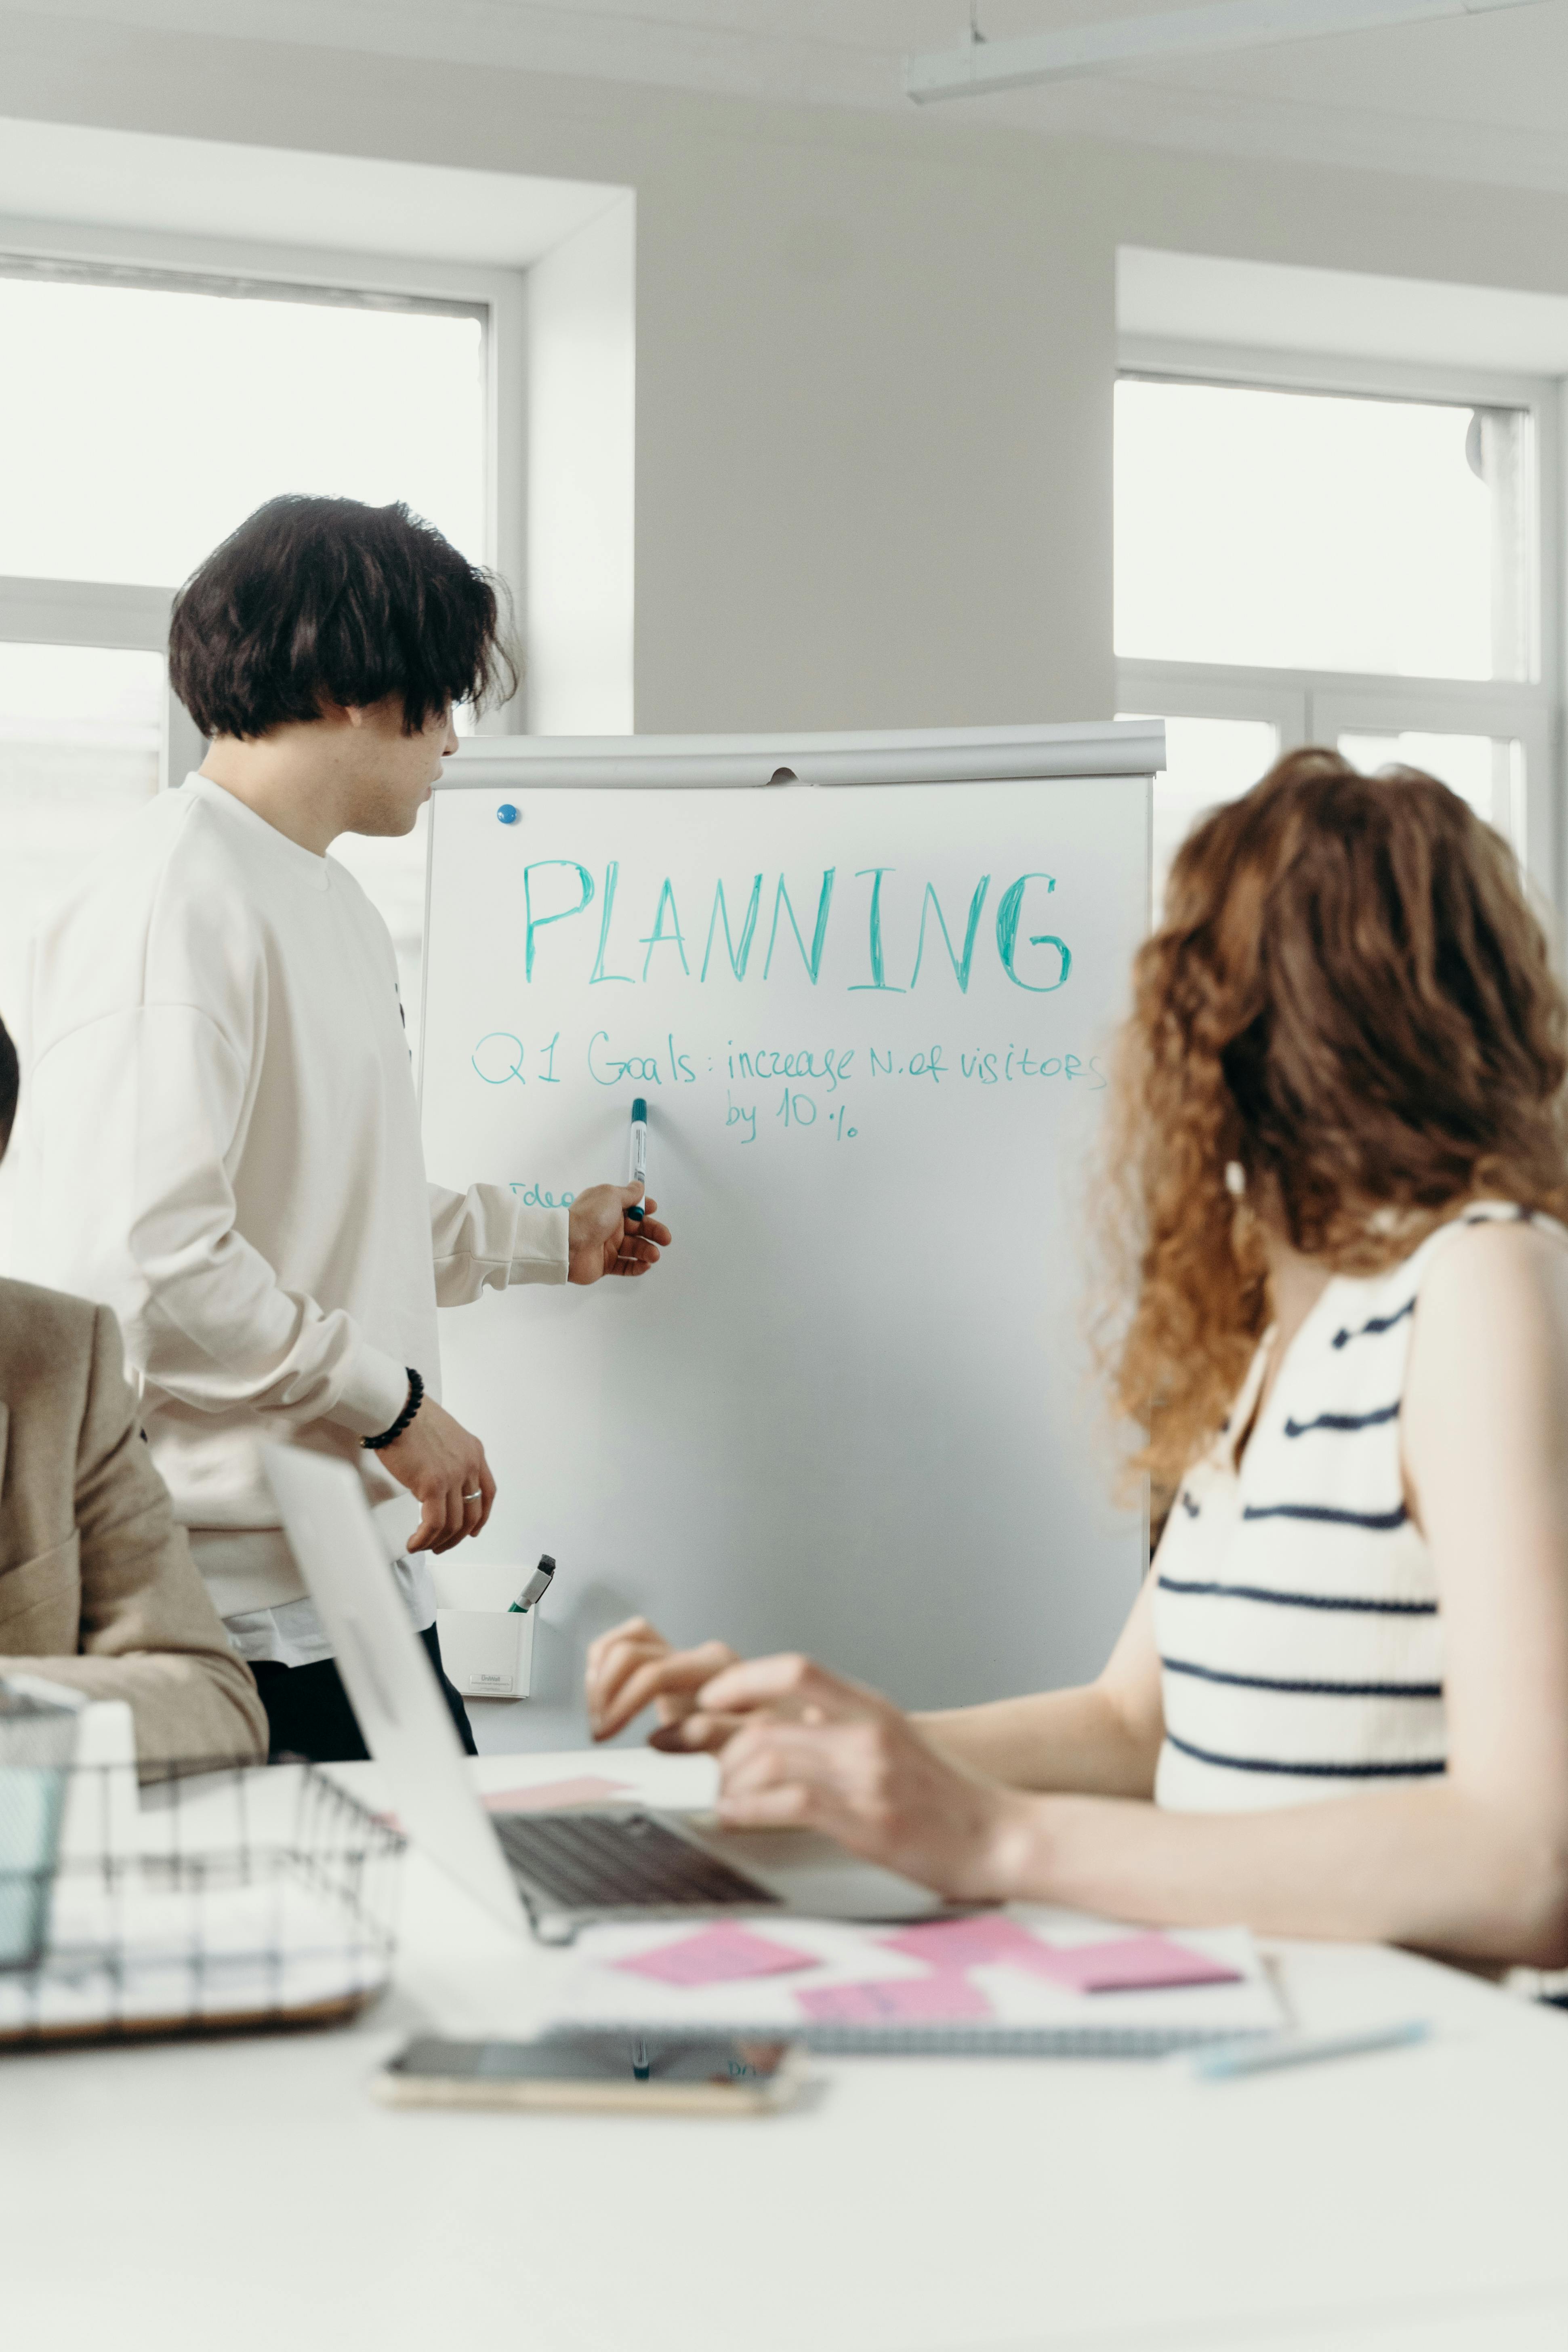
486,1648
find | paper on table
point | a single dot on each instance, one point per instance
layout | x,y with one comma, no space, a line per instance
1149,1963
719,1955
545,1795
124,1951
930,2000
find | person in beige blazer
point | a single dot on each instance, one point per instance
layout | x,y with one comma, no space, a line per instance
98,1588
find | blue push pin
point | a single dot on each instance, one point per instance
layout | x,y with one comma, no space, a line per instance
507,813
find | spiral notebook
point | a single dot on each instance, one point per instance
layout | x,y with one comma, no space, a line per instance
1026,1981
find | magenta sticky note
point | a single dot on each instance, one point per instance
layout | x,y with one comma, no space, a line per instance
1129,1964
989,1939
717,1955
929,2001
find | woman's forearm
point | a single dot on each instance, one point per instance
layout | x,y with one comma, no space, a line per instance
1430,1867
1066,1740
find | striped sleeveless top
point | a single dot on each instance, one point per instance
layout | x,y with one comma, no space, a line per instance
1295,1603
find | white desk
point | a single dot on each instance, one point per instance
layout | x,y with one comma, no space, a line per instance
250,2196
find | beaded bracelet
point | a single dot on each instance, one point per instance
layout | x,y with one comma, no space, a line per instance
416,1399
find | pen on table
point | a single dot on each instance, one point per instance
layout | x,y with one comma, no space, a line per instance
639,1152
536,1588
1226,2059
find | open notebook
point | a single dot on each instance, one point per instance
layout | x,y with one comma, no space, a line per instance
1024,1981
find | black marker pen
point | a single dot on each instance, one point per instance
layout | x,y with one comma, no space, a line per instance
536,1588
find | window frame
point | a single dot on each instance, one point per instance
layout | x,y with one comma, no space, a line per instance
1317,706
136,618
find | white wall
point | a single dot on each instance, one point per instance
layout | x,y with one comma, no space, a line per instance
581,489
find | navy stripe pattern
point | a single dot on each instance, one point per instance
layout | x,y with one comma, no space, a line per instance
1321,1690
1330,1515
1363,1601
1376,1325
1343,1421
1295,1605
1415,1770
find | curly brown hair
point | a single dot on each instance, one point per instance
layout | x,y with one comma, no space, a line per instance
1348,996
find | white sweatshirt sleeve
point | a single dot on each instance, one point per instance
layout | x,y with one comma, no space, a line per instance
135,1118
485,1238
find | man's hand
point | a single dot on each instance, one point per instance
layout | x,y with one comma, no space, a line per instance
633,1666
445,1469
601,1238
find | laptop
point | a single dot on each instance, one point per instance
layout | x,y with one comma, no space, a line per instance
553,1873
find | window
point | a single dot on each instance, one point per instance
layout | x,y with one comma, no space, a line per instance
1349,562
159,415
158,411
1485,773
1299,530
1206,760
81,731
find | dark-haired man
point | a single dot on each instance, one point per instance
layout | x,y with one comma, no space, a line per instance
224,1143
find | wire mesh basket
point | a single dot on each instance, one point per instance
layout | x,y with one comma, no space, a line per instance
143,1899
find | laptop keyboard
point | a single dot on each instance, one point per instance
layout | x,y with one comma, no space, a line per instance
594,1861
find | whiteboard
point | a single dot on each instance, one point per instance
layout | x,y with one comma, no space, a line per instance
850,1413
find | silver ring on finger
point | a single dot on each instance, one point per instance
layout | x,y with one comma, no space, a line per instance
476,1496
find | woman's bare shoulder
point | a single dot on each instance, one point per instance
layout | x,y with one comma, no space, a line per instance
1499,1253
1495,1292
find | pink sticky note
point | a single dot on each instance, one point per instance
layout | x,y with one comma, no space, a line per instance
545,1795
1129,1964
717,1955
988,1940
930,2000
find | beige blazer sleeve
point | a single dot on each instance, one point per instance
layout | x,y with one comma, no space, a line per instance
117,1609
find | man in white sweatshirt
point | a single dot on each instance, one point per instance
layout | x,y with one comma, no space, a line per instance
222,1142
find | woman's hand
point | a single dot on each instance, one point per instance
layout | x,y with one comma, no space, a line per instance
633,1666
814,1751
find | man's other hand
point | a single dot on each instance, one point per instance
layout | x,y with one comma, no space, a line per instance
601,1238
445,1470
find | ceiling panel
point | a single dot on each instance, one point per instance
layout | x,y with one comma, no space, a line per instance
1482,98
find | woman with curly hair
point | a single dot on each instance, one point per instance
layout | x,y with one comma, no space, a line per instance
1337,1160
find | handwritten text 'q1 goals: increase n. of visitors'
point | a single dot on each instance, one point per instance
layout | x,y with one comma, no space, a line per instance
581,932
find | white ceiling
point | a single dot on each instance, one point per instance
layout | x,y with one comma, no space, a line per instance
1477,98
